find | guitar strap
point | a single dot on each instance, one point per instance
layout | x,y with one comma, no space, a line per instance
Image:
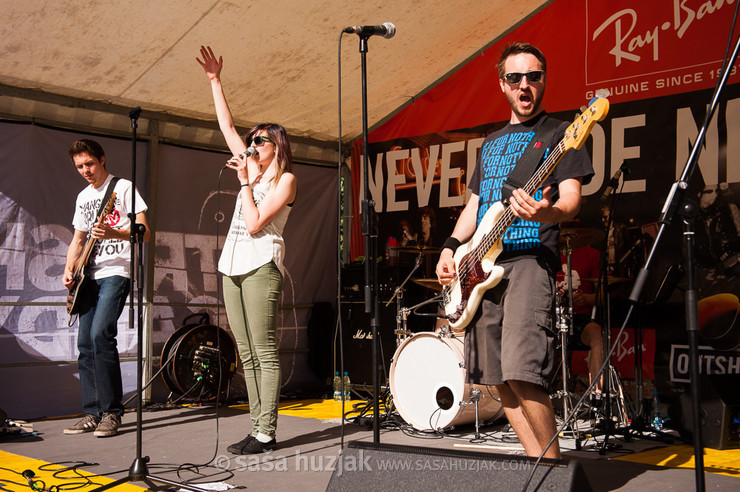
108,193
527,163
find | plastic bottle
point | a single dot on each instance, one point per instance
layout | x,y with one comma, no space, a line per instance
656,418
337,387
347,387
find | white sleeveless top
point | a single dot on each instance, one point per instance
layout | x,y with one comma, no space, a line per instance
244,252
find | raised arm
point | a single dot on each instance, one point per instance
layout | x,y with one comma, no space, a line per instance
213,67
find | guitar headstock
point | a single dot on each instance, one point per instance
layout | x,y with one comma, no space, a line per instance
578,131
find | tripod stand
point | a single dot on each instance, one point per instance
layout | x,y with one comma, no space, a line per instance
564,326
139,470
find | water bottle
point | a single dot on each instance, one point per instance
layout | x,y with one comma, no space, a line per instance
656,418
337,387
347,387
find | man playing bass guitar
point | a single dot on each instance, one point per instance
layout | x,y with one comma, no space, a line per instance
510,338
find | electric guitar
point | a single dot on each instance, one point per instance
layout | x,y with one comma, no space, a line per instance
80,269
475,260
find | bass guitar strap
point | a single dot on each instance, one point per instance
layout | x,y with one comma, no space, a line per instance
530,159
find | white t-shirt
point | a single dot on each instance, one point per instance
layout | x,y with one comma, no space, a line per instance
244,252
111,256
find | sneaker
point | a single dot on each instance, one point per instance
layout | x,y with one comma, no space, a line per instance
238,447
255,446
87,424
108,425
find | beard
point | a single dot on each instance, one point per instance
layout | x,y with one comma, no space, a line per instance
534,106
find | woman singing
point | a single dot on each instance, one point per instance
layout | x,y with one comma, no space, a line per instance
252,257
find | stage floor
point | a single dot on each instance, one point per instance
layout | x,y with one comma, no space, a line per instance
309,437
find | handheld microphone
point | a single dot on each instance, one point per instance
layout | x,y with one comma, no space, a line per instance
614,182
386,29
250,152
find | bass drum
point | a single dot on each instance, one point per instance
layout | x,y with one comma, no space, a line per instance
427,382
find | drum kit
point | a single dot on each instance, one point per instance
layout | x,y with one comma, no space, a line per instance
427,377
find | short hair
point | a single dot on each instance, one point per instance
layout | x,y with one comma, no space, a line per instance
515,49
86,145
282,146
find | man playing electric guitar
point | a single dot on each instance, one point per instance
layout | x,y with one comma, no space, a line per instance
510,339
102,297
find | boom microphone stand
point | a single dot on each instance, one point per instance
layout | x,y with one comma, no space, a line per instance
673,203
139,471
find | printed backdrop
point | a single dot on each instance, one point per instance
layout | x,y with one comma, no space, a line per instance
660,62
38,375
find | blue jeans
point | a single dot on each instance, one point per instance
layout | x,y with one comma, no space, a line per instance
98,364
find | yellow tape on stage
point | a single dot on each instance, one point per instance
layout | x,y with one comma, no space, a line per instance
314,409
723,462
15,482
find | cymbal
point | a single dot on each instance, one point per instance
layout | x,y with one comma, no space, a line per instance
415,249
429,283
576,237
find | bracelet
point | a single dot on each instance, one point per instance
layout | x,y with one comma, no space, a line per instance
245,184
452,243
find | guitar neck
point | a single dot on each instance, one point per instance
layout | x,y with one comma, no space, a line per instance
507,217
91,242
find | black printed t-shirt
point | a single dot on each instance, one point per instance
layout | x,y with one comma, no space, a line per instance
498,155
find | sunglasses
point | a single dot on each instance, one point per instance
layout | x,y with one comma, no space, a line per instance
532,77
259,140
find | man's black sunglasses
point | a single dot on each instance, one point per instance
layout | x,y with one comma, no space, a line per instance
532,77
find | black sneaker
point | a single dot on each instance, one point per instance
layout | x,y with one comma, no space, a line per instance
108,425
87,424
238,447
255,446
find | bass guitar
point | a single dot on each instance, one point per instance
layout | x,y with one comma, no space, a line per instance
476,271
79,274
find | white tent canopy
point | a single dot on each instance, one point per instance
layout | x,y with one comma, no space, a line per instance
83,63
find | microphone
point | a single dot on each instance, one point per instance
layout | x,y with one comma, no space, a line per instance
250,152
614,182
386,29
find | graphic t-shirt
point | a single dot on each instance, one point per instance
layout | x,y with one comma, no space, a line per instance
499,154
110,256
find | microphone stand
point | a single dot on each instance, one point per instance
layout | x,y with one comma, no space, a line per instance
370,231
673,203
139,471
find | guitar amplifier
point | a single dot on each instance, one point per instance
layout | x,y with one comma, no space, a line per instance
353,282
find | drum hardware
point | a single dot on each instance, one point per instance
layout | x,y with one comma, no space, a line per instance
474,399
564,321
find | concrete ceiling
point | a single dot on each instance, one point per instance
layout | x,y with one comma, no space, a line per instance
280,56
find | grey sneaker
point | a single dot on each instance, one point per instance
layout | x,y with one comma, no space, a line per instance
87,424
108,425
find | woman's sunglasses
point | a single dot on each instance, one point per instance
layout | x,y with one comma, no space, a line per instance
532,77
259,140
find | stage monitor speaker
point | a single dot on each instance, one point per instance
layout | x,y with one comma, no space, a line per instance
393,467
720,412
